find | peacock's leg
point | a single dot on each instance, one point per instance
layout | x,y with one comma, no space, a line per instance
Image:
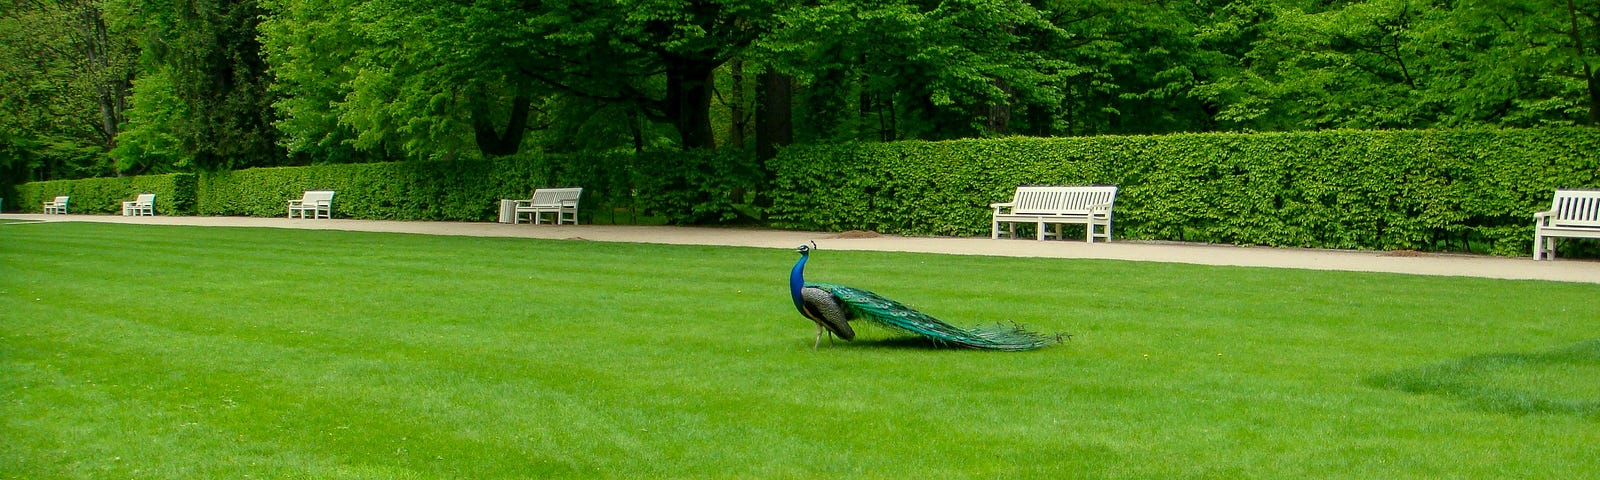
819,336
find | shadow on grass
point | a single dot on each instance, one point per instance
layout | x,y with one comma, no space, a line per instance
911,343
907,343
1560,381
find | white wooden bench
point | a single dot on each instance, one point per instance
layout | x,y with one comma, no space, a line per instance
561,201
57,206
1088,205
1573,214
317,202
144,204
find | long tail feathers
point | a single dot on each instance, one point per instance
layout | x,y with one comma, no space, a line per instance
883,311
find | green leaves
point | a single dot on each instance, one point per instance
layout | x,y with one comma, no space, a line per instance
1471,190
204,89
64,79
175,193
1410,64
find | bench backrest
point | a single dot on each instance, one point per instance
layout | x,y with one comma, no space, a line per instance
1580,208
556,196
145,199
1075,199
61,200
313,197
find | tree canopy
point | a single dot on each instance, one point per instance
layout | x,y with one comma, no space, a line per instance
110,87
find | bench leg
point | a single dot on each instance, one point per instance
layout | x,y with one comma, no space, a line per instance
1010,229
1544,247
1041,231
1105,234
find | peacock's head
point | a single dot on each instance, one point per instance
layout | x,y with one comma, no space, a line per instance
805,249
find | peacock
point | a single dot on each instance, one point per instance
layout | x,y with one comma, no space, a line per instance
832,307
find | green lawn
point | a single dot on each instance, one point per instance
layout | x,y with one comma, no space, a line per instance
131,351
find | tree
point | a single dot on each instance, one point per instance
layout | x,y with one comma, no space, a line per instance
1527,62
892,70
64,81
1359,65
425,77
659,55
1413,64
203,55
307,47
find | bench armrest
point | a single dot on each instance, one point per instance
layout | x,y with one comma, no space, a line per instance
1543,218
569,202
296,202
1103,209
998,206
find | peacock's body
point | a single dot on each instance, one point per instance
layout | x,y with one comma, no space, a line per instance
832,307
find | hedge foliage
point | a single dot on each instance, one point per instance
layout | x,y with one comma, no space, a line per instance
174,194
696,187
1455,190
680,187
1445,190
461,190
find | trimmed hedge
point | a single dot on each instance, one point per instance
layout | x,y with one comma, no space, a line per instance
174,193
461,190
696,187
375,191
1455,190
1447,190
679,187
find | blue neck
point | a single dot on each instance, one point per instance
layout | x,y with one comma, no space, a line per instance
797,281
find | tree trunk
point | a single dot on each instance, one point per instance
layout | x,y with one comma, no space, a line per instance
111,86
1589,75
997,116
736,113
774,114
688,102
499,144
